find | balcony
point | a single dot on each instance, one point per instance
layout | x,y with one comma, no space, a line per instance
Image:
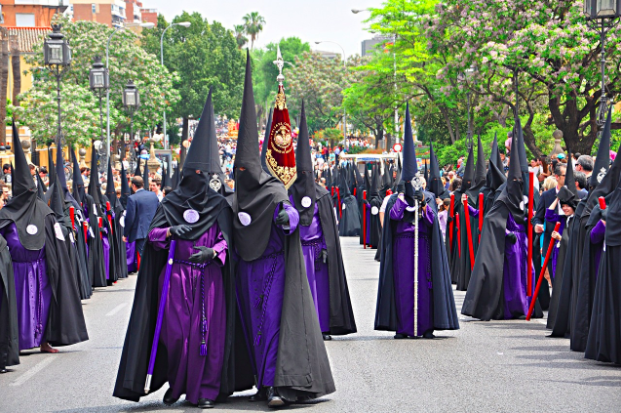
43,3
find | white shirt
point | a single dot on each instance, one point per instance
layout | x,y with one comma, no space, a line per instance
384,203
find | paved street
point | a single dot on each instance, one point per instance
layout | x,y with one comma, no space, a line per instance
491,367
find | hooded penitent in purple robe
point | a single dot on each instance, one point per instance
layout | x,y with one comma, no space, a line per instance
403,268
196,293
33,291
260,288
515,277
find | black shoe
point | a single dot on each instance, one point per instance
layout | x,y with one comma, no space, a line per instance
259,396
327,337
169,399
3,370
206,404
429,335
273,399
400,336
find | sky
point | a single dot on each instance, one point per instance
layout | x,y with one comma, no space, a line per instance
310,20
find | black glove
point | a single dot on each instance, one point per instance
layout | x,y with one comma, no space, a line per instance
605,214
282,218
401,187
512,238
324,256
204,255
179,230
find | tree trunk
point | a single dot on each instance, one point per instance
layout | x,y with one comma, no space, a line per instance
447,118
184,136
379,135
4,81
17,72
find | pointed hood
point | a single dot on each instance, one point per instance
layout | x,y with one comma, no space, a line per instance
602,161
570,180
521,149
303,189
410,167
435,180
426,174
79,192
145,175
25,209
93,183
268,126
61,179
110,189
495,171
200,155
41,189
125,190
51,169
512,194
57,204
479,176
468,179
375,184
165,175
399,174
386,181
176,178
606,186
257,194
568,195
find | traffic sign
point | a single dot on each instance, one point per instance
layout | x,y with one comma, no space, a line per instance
397,147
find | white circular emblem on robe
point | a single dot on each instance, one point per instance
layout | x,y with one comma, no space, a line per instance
244,218
32,229
344,206
306,202
374,210
190,216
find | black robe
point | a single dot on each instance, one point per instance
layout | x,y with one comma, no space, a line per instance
444,312
96,266
141,329
558,279
9,330
341,314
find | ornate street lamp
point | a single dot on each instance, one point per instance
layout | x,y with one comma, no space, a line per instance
462,78
602,15
57,55
131,103
99,82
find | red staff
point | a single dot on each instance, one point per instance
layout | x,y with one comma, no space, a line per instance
72,216
100,221
481,211
469,231
85,227
452,214
543,271
458,237
109,213
364,219
529,260
338,197
602,203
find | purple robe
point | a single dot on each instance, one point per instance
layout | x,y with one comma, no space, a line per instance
132,259
597,239
34,293
403,269
196,293
553,217
316,271
260,288
515,278
106,251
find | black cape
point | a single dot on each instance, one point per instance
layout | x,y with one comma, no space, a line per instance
444,312
9,329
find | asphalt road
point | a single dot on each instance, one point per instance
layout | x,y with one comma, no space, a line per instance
507,366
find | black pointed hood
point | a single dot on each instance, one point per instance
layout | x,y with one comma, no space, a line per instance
303,189
495,171
61,179
93,183
176,178
57,204
51,170
410,167
25,209
79,192
570,180
468,179
145,175
125,190
110,190
602,161
426,174
435,184
375,184
165,175
568,194
257,194
607,185
268,127
521,149
41,189
512,194
399,174
386,181
479,176
200,156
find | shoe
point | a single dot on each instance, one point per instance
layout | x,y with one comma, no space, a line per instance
327,337
429,335
273,399
3,370
400,336
169,399
206,404
259,396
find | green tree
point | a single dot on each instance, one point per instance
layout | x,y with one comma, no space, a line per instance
253,24
239,32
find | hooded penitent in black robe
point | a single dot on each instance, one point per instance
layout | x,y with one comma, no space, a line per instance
9,329
462,265
435,184
442,314
497,288
301,369
93,211
604,339
374,203
115,216
350,222
318,233
86,281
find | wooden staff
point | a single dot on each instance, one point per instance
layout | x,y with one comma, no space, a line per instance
543,271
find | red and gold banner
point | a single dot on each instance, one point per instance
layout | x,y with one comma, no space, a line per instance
280,156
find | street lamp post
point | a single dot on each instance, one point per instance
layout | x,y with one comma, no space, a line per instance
143,25
57,55
462,79
182,24
602,16
99,82
346,72
131,102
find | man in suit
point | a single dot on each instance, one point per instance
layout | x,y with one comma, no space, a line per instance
141,207
546,199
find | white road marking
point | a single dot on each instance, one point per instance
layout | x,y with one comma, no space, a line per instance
33,370
116,309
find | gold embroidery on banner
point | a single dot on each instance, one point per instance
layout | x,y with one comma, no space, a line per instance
281,101
285,174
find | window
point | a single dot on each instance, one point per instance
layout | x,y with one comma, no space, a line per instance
25,19
94,7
